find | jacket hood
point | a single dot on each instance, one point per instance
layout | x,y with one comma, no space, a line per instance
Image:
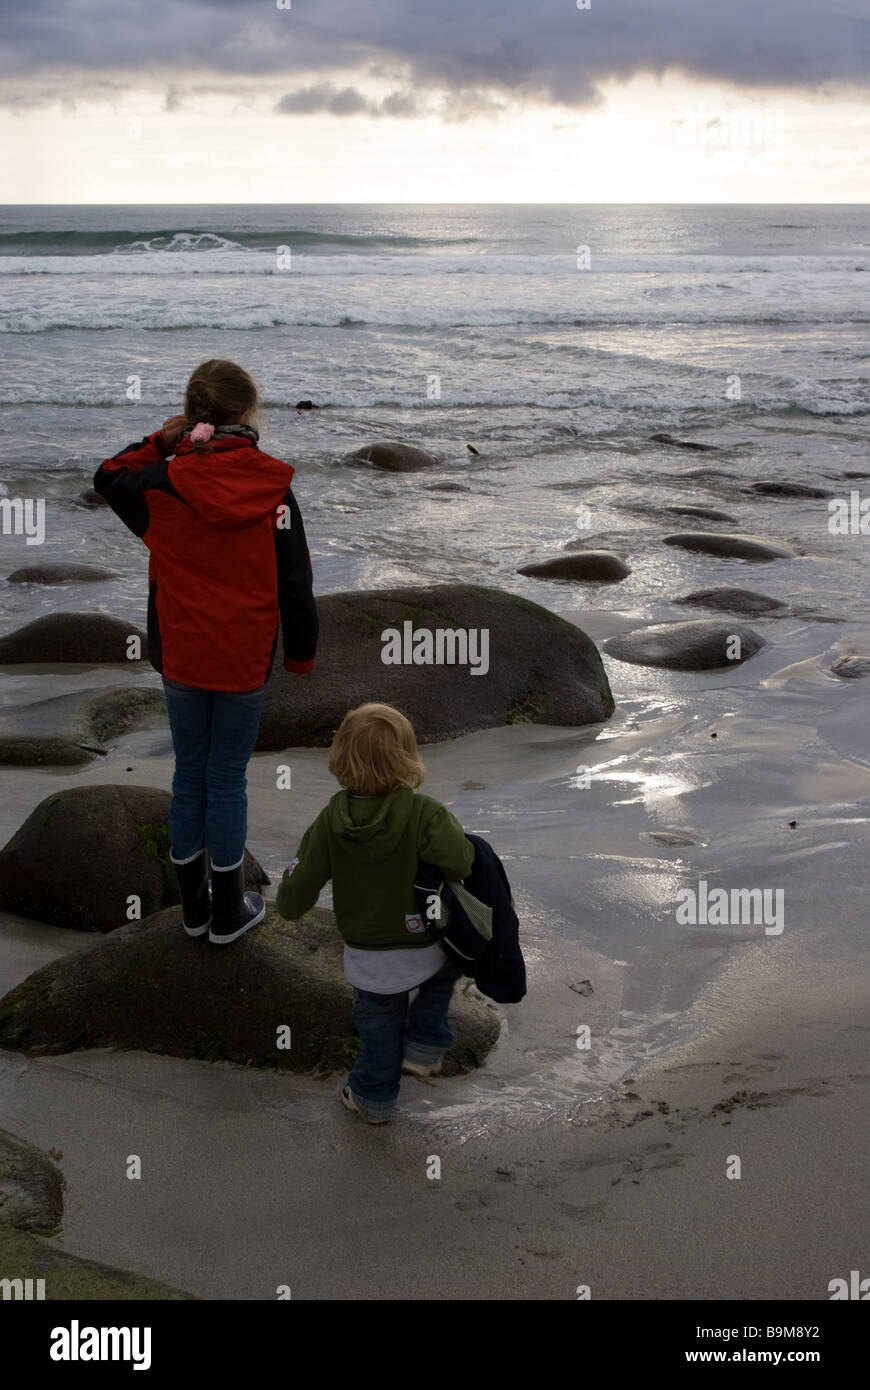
236,483
370,828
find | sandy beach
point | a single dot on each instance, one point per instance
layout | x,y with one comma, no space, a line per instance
559,1168
678,1108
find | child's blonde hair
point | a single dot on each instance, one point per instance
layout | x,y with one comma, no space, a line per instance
375,751
219,392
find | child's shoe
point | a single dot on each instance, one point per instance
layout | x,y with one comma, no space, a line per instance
421,1069
348,1100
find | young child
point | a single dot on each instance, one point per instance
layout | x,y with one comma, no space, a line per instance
229,563
368,840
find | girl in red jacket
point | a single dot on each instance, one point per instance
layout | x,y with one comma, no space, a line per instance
228,564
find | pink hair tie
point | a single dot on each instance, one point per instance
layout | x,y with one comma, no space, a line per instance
201,433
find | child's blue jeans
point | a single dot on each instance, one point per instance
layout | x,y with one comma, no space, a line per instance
380,1021
213,734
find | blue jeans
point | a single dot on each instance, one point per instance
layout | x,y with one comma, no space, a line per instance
213,734
380,1021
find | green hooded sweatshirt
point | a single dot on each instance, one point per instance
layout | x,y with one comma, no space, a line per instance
370,847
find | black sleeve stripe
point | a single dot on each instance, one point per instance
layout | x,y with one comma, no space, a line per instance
140,444
299,621
125,492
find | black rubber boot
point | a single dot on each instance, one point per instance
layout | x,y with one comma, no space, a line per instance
195,901
233,910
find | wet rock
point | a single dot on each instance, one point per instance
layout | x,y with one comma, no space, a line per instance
306,405
91,498
588,566
61,574
744,601
447,487
539,667
150,987
31,1188
69,730
851,667
716,476
78,858
778,489
31,1207
702,513
731,546
691,646
684,443
668,837
78,637
393,457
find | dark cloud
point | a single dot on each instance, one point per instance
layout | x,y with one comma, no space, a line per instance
325,96
345,101
517,49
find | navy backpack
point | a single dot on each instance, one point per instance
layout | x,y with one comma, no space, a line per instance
475,922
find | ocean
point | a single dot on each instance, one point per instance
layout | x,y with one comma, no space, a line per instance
556,341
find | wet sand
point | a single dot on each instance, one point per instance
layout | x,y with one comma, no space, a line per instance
559,1167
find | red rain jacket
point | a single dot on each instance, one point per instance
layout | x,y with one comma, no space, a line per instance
228,559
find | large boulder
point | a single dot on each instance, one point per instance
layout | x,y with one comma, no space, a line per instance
61,574
31,1207
69,730
727,600
732,546
587,566
692,646
150,987
83,853
538,667
79,637
393,457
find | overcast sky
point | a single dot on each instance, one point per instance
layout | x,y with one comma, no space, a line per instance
409,100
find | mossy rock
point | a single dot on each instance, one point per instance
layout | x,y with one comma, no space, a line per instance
31,1206
83,853
31,1188
150,987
